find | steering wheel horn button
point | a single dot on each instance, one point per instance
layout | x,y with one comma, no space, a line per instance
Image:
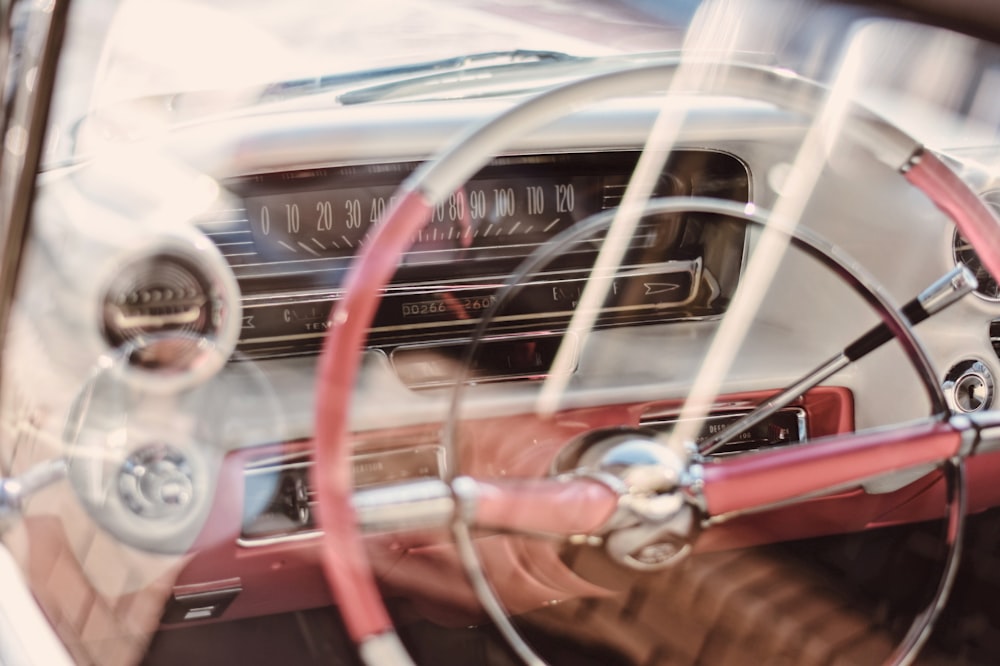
658,507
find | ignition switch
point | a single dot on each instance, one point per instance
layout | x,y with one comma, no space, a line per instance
969,386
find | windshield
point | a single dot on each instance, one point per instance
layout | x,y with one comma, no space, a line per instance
131,50
137,67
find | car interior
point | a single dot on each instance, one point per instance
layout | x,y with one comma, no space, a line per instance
474,332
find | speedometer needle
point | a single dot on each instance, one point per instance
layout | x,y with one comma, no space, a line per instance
956,283
464,221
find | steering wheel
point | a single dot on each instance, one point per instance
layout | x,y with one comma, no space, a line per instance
644,473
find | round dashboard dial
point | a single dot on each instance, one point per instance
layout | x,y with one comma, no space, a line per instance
162,308
963,253
172,314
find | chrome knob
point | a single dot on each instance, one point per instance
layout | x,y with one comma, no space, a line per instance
156,482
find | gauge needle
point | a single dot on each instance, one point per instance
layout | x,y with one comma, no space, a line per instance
465,220
945,291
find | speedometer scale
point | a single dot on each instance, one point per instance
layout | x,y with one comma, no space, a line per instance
491,213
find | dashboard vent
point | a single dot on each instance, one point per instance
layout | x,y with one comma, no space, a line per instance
612,196
614,192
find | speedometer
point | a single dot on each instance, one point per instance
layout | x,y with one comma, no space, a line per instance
515,204
487,213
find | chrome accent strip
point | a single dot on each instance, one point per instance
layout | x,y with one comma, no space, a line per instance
277,463
466,322
15,490
956,508
411,505
693,268
986,426
302,461
261,542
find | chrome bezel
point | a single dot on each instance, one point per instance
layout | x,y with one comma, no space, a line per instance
201,258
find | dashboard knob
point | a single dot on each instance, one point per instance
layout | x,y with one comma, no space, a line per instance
156,482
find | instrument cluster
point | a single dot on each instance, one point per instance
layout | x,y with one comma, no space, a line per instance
292,241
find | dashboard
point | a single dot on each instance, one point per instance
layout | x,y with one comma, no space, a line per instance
185,326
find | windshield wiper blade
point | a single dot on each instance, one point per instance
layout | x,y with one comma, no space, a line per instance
394,74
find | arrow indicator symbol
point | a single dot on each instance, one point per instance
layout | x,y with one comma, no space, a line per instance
653,288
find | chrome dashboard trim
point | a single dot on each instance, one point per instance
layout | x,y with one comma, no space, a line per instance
693,268
263,144
302,461
263,542
662,419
